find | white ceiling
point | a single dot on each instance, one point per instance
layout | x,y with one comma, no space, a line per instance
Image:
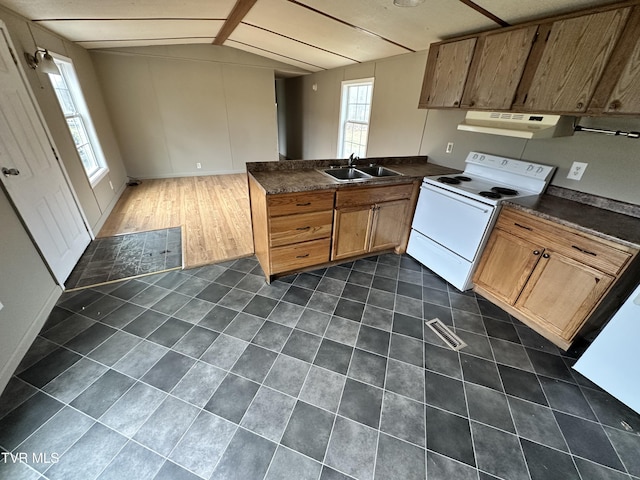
310,34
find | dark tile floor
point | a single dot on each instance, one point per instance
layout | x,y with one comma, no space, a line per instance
212,374
127,256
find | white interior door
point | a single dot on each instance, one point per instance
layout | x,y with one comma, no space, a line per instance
32,176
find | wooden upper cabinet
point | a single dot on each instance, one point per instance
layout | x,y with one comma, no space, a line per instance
575,55
446,73
496,69
619,90
579,63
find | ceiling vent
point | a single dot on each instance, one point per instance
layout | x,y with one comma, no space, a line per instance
520,125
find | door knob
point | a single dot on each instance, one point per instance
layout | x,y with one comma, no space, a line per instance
10,171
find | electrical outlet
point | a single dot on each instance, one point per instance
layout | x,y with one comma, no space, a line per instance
198,165
577,170
449,147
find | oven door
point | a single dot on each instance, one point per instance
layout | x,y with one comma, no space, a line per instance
454,221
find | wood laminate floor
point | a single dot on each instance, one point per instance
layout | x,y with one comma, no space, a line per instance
212,210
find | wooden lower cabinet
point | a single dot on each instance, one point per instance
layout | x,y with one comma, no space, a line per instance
370,219
506,265
529,268
352,227
302,230
561,292
389,219
291,231
368,228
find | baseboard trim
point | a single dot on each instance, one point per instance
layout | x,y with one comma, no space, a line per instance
30,335
187,174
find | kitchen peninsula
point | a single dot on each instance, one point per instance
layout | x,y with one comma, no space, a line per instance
304,219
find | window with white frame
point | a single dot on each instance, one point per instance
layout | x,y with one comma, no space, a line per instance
76,113
355,112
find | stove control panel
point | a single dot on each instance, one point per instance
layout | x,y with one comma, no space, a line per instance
510,165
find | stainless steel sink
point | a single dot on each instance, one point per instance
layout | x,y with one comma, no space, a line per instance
378,171
346,174
353,174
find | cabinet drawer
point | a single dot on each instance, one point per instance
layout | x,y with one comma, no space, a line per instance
303,202
369,195
300,228
571,243
300,255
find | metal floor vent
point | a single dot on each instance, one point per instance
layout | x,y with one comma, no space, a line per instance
447,336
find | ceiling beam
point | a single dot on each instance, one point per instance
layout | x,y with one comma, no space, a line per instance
486,13
239,11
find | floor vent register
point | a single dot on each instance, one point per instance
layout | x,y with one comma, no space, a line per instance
446,335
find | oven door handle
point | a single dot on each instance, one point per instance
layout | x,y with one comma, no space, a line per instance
460,198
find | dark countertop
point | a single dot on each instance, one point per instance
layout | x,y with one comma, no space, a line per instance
301,176
623,229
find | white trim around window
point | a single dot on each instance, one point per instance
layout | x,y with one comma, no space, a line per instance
355,113
76,113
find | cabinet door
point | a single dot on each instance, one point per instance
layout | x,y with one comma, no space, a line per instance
351,231
619,89
388,221
561,293
506,264
446,73
497,68
625,97
574,58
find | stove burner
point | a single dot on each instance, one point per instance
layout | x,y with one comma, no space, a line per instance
493,195
504,191
449,180
462,178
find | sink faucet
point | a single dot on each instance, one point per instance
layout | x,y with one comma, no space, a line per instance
353,159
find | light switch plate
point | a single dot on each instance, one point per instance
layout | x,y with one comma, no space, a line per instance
577,170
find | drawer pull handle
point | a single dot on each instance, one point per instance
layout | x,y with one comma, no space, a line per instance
302,256
523,226
536,252
545,255
584,251
303,204
303,228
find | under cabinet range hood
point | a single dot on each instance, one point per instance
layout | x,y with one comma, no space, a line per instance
520,125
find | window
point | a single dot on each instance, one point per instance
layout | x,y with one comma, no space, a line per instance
354,117
76,113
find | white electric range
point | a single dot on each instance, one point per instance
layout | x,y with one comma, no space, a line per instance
455,213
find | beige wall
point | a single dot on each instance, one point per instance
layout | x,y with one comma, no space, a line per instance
27,291
96,202
175,106
398,127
